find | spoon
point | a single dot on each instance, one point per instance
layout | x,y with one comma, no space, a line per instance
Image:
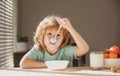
54,40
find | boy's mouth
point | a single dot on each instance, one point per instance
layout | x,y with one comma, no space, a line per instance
52,43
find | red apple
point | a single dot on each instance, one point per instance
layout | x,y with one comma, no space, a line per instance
117,51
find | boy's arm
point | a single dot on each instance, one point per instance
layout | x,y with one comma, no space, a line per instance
28,63
82,47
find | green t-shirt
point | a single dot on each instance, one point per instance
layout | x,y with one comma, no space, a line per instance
66,53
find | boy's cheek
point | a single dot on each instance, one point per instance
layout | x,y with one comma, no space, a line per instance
60,41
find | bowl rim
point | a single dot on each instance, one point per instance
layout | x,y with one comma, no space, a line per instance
112,58
57,60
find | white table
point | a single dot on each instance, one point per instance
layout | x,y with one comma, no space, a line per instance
71,71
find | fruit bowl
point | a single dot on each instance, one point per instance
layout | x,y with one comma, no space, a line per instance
57,64
112,57
110,62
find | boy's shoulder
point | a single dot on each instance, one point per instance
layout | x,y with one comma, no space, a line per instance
35,48
68,47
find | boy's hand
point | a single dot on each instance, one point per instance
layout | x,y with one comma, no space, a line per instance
65,23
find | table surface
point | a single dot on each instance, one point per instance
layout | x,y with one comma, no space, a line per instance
70,71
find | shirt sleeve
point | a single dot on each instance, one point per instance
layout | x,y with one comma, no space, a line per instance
70,52
33,53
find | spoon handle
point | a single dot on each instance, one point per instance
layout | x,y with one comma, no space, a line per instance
58,31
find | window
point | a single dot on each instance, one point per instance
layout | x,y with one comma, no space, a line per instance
7,32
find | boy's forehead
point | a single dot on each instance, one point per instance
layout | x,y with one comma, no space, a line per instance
53,30
50,30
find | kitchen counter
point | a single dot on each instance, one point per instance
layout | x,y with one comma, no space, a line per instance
70,71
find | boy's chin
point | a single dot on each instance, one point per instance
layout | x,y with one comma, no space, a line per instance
53,46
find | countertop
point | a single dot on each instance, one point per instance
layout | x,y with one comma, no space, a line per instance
70,71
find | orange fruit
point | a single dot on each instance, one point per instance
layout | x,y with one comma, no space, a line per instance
114,69
106,55
113,54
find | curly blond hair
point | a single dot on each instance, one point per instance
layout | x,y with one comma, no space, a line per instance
49,23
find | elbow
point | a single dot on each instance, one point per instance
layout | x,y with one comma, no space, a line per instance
87,49
22,65
83,51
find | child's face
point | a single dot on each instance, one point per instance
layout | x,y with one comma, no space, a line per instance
49,35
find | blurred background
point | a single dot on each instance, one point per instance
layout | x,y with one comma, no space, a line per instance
98,21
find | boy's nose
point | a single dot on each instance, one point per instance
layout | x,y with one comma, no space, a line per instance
52,36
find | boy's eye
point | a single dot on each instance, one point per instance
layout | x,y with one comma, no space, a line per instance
49,33
58,34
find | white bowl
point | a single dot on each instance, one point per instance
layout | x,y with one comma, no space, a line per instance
57,64
110,62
